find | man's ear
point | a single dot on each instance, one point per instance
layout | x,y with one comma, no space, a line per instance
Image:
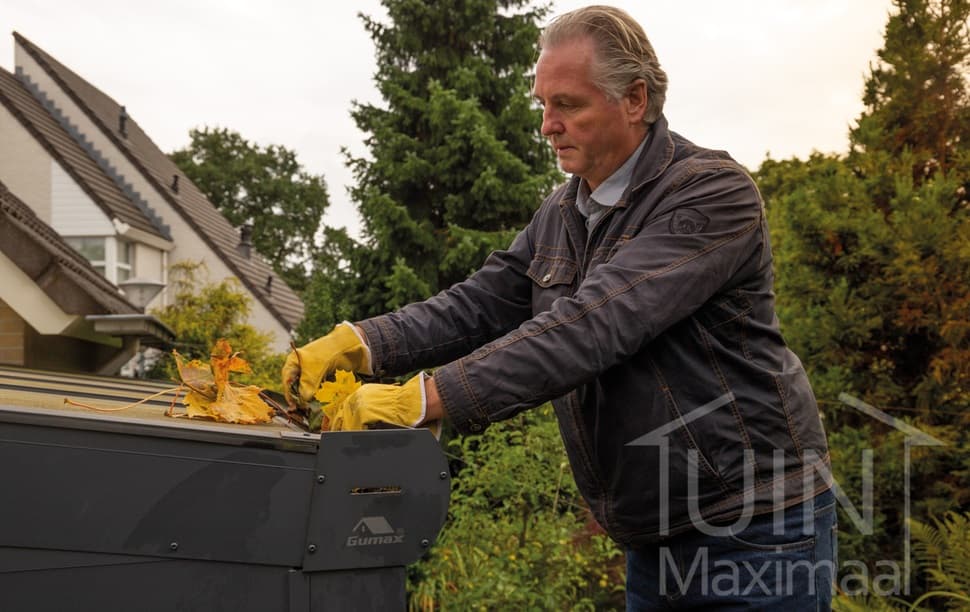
636,101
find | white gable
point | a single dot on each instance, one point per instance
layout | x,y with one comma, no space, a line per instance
72,211
24,165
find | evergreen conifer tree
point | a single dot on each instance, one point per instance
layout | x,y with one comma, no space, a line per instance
456,165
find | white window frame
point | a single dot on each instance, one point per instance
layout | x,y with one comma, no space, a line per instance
111,263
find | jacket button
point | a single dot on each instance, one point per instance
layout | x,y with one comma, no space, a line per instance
546,278
476,427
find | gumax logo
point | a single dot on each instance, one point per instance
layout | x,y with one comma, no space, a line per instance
372,530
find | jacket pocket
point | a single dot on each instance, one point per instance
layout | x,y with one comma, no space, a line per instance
552,276
723,309
547,271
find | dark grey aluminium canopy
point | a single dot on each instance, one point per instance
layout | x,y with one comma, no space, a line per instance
134,510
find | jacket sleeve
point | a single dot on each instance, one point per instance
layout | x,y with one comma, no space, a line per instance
700,238
493,301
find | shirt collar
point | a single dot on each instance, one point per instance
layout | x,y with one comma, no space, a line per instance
611,190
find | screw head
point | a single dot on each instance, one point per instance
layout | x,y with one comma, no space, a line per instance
173,546
425,543
312,548
321,479
443,475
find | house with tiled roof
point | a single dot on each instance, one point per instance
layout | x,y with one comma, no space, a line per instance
87,170
57,311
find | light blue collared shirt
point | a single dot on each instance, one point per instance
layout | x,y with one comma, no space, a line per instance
594,205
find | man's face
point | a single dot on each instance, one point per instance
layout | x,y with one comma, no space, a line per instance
591,134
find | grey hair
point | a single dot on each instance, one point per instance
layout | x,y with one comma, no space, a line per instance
623,52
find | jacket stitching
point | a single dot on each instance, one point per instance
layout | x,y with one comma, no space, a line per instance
662,166
554,259
389,344
743,325
740,314
788,419
548,247
463,378
688,172
574,408
745,439
685,430
800,474
620,290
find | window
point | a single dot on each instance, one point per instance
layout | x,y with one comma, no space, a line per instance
91,247
124,252
112,257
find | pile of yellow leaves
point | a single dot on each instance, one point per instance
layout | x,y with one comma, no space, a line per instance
210,393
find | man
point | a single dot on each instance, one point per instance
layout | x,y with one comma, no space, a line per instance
639,300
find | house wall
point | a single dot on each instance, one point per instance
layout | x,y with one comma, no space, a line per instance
64,353
73,213
25,166
188,245
21,345
12,332
148,263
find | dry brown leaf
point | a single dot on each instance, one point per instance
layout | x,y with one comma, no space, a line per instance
212,395
197,376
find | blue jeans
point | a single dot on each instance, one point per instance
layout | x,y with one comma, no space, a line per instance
785,564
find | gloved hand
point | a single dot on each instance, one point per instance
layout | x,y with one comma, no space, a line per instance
395,404
307,366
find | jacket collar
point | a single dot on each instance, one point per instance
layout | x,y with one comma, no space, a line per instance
654,160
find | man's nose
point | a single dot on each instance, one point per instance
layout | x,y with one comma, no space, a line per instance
550,123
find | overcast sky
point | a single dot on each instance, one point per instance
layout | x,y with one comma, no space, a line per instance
754,77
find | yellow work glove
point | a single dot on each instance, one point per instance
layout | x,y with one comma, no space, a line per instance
309,365
394,404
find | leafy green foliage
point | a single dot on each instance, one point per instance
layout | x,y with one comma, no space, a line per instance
873,274
941,551
266,186
518,534
862,289
203,312
456,163
325,299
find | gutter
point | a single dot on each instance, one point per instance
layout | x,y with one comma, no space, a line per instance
143,327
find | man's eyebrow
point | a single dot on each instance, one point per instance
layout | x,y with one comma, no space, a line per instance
558,98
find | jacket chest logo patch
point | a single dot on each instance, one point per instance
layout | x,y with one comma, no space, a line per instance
687,221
